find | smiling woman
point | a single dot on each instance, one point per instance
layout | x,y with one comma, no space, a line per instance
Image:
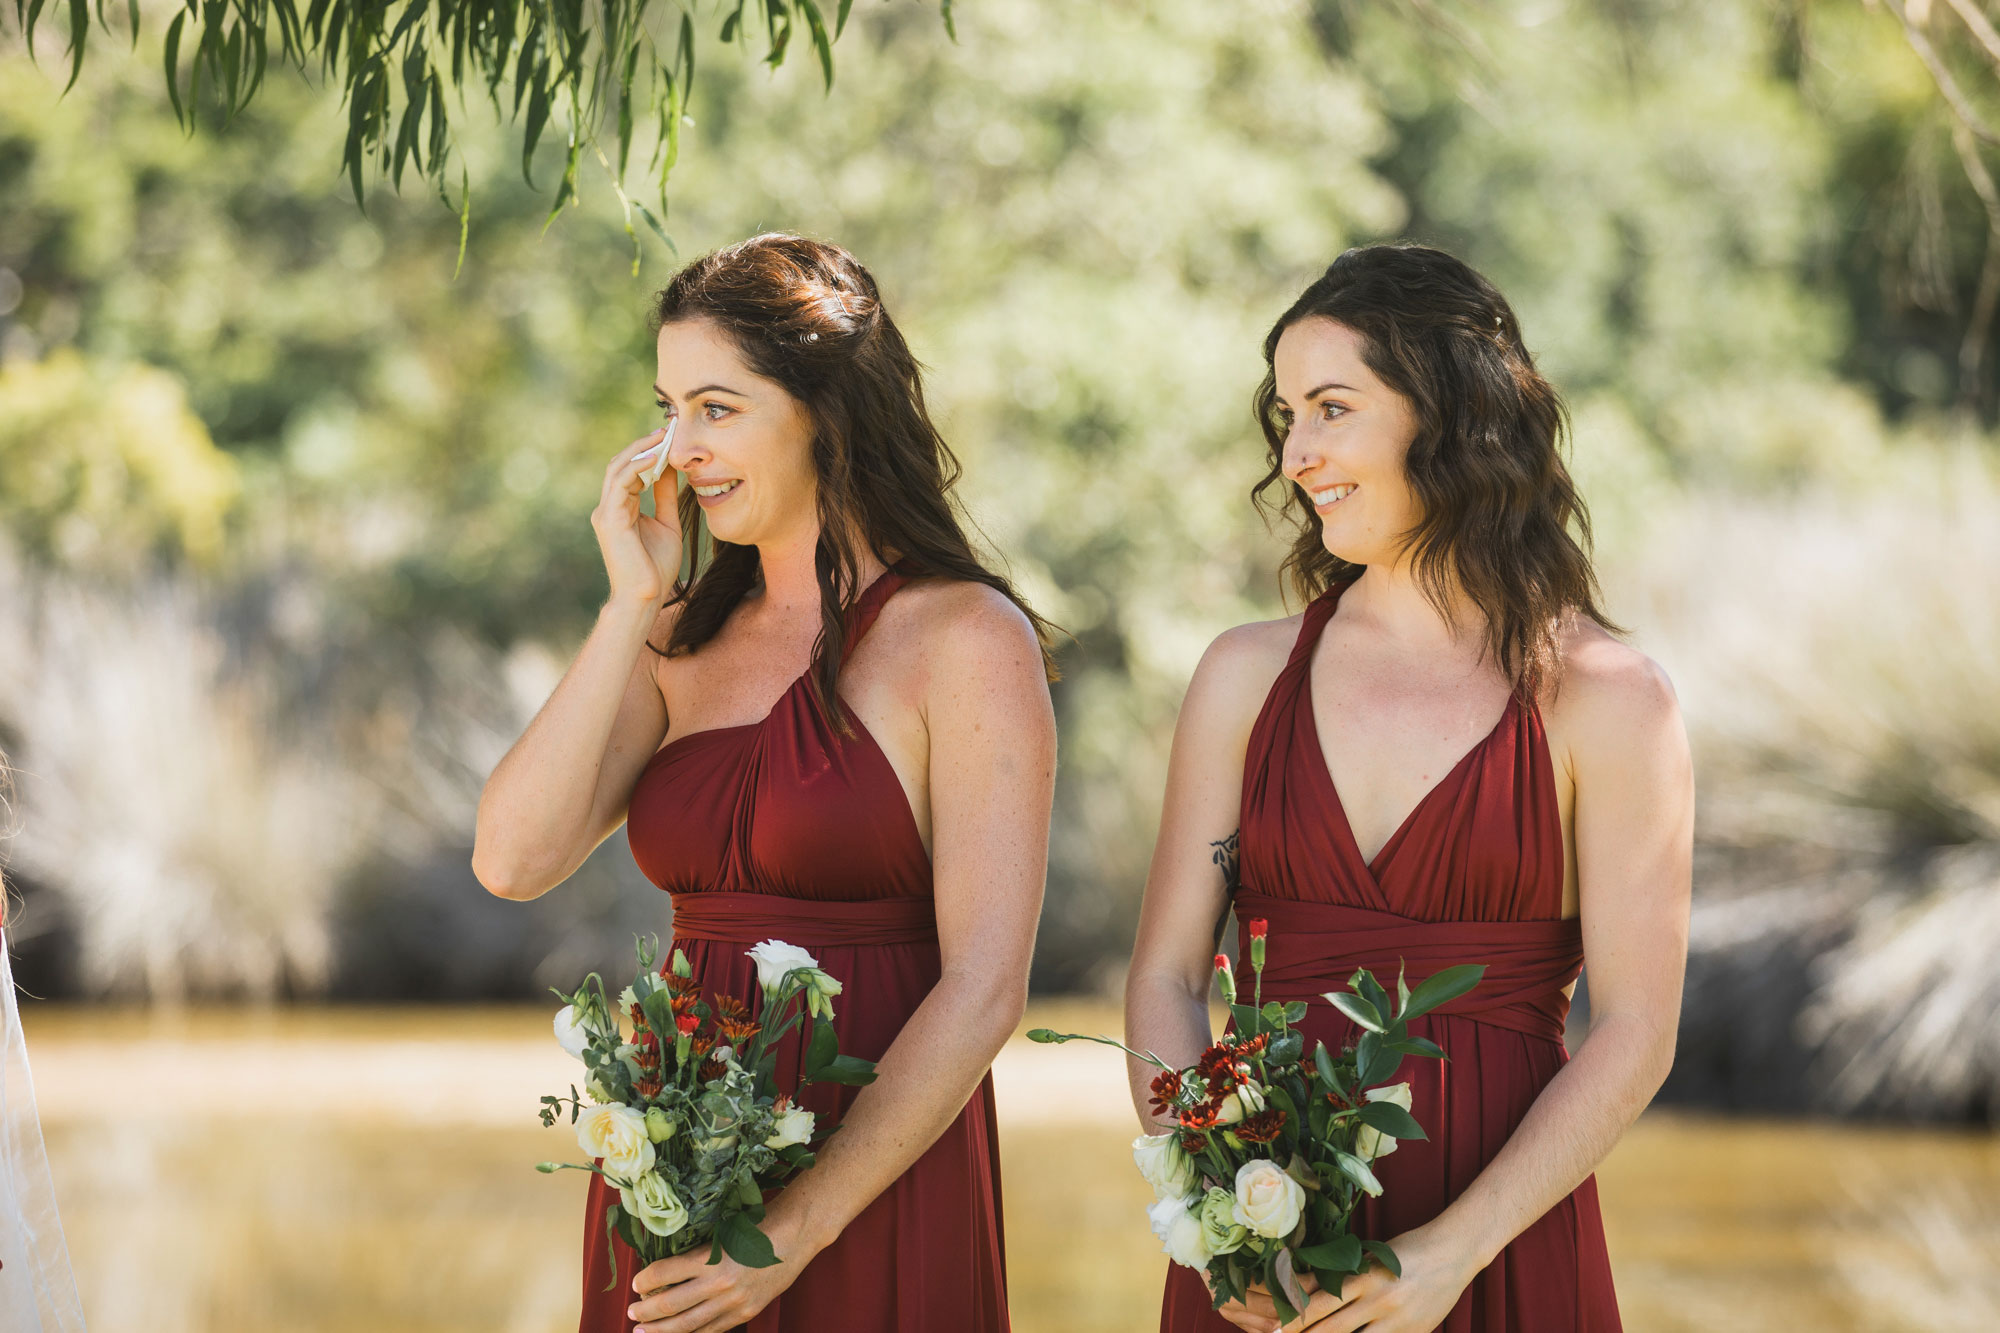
1447,758
845,741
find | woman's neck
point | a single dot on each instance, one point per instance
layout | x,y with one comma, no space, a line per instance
1390,597
790,572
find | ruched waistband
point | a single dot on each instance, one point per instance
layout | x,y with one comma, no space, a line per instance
1316,947
747,918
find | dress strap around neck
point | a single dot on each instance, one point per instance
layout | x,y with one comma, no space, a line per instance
1318,611
866,607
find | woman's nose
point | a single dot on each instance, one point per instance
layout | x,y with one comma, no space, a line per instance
687,447
1297,458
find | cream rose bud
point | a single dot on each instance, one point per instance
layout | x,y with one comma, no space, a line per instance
659,1125
1268,1201
1248,1099
792,1125
1180,1233
1371,1143
654,1203
1165,1165
775,958
571,1035
616,1133
1220,1230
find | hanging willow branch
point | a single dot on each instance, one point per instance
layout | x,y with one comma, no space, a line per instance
604,65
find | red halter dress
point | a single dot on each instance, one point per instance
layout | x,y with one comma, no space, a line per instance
1473,875
783,829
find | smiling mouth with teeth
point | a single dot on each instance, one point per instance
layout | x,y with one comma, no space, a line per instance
1327,497
717,491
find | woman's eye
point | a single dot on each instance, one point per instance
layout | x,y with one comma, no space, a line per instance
713,410
666,409
1328,410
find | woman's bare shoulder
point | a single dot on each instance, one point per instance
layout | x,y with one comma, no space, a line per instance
1610,694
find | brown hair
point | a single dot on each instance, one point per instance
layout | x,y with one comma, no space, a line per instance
1486,464
807,315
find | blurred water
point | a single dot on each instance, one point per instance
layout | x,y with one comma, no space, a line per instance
370,1171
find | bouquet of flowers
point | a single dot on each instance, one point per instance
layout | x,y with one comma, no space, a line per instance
1258,1183
684,1110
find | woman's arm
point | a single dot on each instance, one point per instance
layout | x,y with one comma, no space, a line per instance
1193,874
1633,829
1193,869
564,786
991,727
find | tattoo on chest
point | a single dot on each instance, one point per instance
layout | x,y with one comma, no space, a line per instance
1224,856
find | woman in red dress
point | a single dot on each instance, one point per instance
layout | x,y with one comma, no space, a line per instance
836,732
1448,757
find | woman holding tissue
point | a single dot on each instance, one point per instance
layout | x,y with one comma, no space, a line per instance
834,729
1447,758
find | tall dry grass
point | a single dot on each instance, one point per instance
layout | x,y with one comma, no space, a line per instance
195,846
1837,653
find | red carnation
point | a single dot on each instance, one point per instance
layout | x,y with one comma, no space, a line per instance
1262,1127
1217,1068
1259,927
687,1023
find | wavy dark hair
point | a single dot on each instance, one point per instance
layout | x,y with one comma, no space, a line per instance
807,315
1502,518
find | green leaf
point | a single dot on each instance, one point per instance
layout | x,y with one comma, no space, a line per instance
840,18
1295,1011
1384,1256
1442,988
1341,1254
1323,1062
654,222
1418,1046
173,65
1390,1119
850,1071
822,1049
822,46
1356,1008
743,1242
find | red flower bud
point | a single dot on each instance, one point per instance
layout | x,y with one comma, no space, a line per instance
1222,962
1259,927
687,1023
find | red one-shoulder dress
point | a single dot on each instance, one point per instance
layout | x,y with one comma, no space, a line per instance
1473,875
784,829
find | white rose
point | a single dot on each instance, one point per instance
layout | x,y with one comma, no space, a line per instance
1165,1165
775,958
571,1035
616,1133
1267,1200
626,999
1180,1233
1371,1143
792,1125
653,1202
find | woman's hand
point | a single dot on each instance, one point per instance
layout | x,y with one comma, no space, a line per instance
642,553
1258,1313
1436,1271
687,1294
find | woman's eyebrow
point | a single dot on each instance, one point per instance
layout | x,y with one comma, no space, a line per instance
695,393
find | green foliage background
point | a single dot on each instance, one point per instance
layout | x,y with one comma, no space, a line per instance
1734,231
